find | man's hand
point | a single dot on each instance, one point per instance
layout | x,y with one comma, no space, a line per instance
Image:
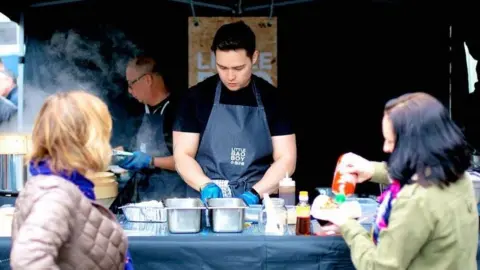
137,161
250,198
210,191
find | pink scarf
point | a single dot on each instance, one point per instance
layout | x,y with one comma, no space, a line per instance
384,210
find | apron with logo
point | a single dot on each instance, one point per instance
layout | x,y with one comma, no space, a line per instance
236,147
156,184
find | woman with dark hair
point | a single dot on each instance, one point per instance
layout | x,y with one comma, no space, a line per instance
427,218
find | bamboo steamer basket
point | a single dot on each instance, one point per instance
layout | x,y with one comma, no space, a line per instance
105,187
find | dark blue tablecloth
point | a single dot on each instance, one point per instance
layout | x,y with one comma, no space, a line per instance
231,252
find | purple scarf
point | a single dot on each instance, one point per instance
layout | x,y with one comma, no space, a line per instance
383,213
84,184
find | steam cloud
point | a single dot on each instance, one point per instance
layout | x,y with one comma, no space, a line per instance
73,60
78,61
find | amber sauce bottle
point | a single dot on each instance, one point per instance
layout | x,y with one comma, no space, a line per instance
303,215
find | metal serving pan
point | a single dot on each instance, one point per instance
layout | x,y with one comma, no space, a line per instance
227,214
184,215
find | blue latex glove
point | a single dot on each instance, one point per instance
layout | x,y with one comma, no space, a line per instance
249,198
210,191
137,161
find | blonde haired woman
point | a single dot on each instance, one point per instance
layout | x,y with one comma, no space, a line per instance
57,223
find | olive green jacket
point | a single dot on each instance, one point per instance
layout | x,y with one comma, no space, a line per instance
429,228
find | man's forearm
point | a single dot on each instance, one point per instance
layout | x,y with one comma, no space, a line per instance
269,182
190,171
166,163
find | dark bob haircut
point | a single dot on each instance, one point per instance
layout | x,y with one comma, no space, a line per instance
234,36
428,142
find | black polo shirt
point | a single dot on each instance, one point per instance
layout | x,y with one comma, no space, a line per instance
195,108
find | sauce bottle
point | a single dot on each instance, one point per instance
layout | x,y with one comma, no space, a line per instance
343,185
303,215
286,190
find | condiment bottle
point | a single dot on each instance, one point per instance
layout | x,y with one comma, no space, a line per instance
343,185
286,190
273,213
303,215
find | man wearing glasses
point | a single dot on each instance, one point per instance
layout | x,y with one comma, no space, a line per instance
155,177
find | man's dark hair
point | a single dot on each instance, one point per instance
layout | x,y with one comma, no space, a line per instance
428,143
234,36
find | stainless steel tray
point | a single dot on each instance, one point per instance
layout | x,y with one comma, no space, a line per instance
227,214
184,215
144,213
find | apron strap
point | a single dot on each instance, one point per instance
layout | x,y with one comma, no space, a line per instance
163,108
218,91
257,95
147,110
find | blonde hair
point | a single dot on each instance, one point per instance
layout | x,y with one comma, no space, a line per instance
73,131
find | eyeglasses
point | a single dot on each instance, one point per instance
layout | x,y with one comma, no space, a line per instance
130,84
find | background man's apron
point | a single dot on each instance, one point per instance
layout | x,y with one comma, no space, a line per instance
156,184
236,147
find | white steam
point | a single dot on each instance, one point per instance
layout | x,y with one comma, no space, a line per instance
71,60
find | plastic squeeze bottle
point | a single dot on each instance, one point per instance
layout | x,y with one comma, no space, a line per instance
343,185
286,190
303,215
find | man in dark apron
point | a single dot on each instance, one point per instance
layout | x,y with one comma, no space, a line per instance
154,177
232,137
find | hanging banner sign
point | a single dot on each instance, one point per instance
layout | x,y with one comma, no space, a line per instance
201,61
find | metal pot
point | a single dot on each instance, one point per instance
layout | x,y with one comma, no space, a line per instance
13,166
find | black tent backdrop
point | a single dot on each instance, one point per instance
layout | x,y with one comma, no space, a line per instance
337,65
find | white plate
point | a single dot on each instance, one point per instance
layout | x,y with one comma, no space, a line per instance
351,208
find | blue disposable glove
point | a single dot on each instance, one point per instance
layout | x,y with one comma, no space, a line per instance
137,161
210,191
250,198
